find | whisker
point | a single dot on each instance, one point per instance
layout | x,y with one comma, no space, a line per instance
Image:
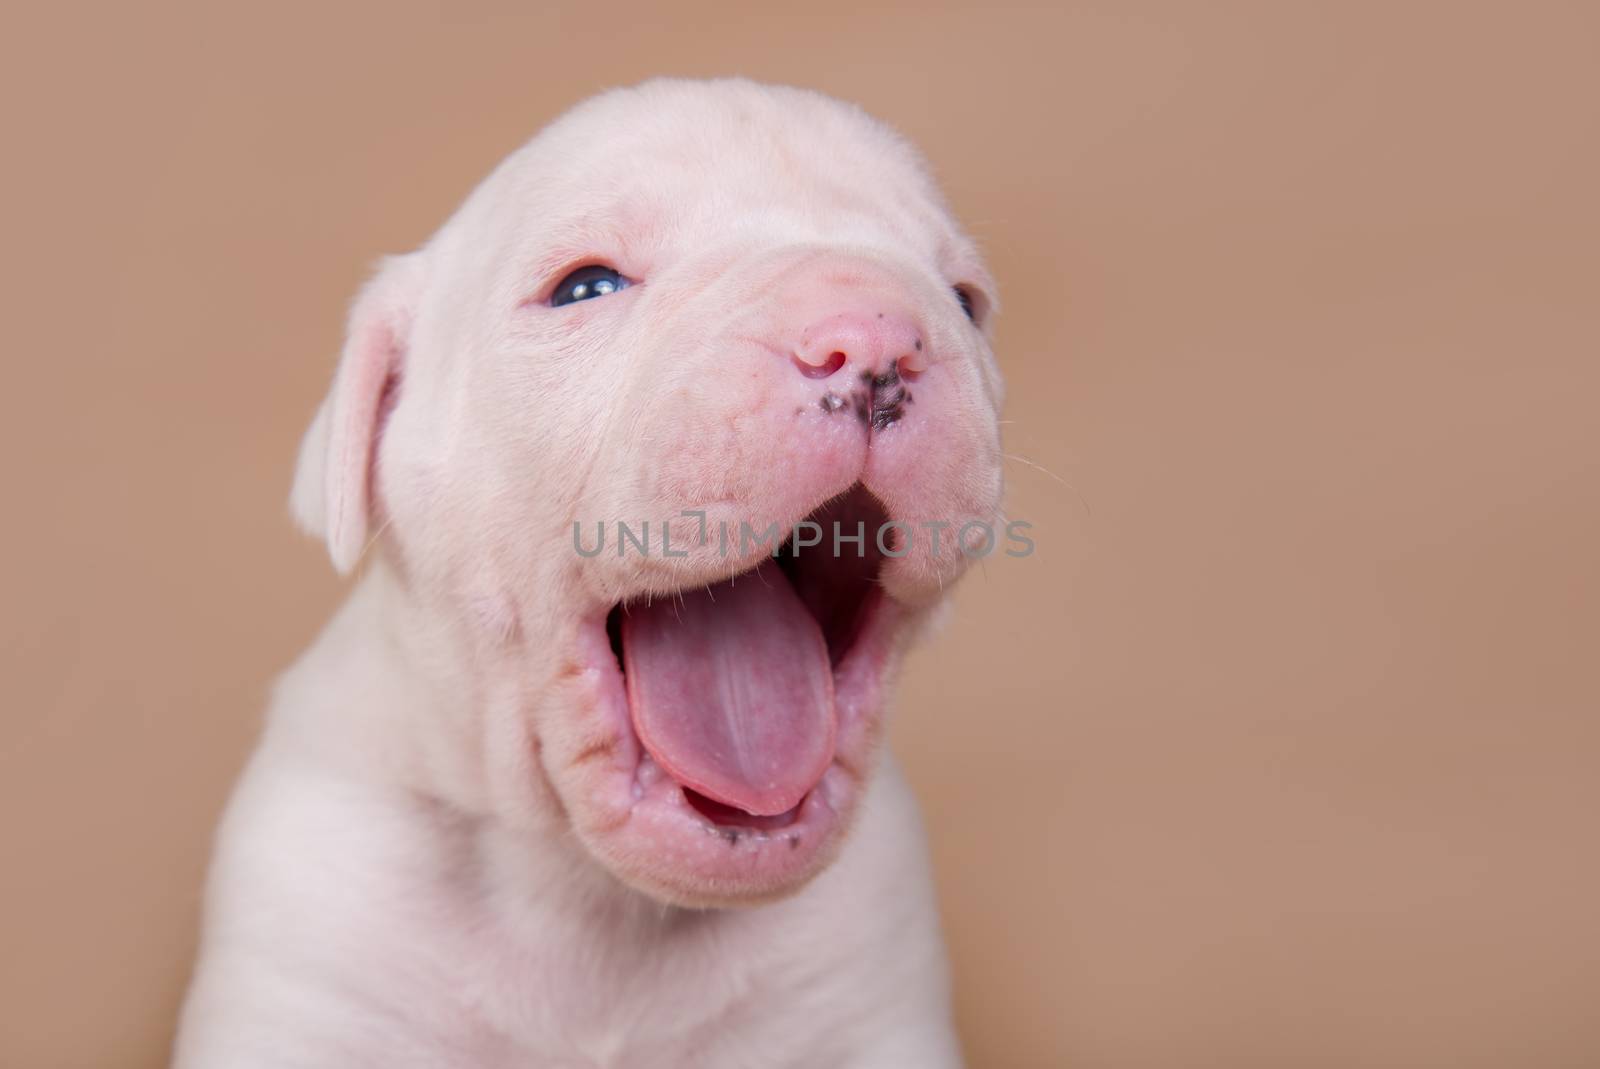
373,540
1038,467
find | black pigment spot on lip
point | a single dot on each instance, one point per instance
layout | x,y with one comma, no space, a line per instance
794,842
885,414
730,835
888,398
919,345
879,403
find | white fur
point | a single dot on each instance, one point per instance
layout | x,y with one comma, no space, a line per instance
429,861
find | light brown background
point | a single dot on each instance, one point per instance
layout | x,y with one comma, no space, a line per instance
1282,751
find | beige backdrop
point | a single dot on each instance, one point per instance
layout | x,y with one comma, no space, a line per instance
1282,751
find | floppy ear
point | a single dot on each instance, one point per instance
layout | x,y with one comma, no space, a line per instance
332,495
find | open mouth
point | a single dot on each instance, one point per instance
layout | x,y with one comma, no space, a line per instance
733,688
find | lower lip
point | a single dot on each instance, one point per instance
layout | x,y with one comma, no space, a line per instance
658,792
727,815
670,848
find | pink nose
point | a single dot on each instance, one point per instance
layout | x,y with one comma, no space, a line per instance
871,342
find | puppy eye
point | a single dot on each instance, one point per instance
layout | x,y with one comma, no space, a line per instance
596,280
964,295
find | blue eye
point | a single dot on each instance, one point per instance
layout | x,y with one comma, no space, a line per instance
596,280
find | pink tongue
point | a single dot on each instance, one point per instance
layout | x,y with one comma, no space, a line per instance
731,691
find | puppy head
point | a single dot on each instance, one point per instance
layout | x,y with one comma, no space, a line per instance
687,325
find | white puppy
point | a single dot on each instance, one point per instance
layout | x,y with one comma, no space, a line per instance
524,803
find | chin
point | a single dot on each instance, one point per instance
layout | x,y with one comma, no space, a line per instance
728,728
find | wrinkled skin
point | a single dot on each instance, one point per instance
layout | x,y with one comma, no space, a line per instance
449,848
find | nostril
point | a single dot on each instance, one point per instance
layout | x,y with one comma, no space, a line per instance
871,342
835,360
913,360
